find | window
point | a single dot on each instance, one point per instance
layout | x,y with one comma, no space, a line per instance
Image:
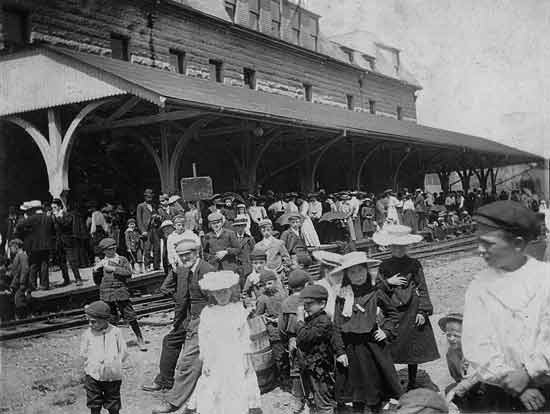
230,7
249,78
254,14
295,25
16,27
370,61
372,106
177,60
216,70
308,92
350,102
119,47
399,113
276,18
310,27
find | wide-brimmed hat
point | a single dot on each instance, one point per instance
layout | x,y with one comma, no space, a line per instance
354,259
223,279
395,234
173,199
163,197
24,206
451,317
33,204
328,258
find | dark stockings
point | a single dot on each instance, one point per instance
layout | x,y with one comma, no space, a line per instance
135,327
413,371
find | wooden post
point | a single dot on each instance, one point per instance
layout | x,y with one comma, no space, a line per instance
194,169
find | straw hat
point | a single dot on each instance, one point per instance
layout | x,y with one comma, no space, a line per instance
395,234
223,279
173,199
186,245
328,258
166,223
34,204
353,259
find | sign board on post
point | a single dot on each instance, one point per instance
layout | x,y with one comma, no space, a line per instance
196,188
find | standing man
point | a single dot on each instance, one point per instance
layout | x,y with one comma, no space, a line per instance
246,245
38,236
278,258
67,244
506,334
177,285
144,215
189,366
420,208
220,246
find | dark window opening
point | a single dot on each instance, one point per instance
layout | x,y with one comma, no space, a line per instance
295,21
249,78
119,47
254,14
16,27
216,70
372,106
177,60
350,102
399,112
276,18
230,9
308,92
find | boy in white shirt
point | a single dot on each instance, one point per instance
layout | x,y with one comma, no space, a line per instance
104,350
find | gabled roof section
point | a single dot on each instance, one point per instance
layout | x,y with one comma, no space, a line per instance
159,86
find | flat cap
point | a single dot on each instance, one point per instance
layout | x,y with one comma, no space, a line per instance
266,275
422,401
451,317
186,245
258,254
163,197
298,278
148,192
179,219
314,292
98,309
509,216
107,243
216,216
131,220
240,220
166,223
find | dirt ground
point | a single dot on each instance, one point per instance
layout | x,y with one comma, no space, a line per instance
43,374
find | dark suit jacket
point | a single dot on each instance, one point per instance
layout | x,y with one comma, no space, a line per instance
143,217
38,233
246,245
293,243
177,284
226,241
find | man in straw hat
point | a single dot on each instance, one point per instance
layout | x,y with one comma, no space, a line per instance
220,246
189,300
506,335
246,245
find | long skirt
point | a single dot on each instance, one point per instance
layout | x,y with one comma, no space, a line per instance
370,377
310,234
414,345
410,219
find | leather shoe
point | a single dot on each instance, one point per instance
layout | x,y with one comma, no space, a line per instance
165,408
152,387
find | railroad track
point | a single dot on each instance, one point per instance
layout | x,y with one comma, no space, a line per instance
147,305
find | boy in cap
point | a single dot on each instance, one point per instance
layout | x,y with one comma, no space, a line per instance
220,246
134,245
19,273
112,274
179,234
104,349
319,343
292,237
506,335
297,281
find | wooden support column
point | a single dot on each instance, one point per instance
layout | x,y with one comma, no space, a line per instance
368,156
444,180
465,176
546,182
408,152
483,176
317,161
165,184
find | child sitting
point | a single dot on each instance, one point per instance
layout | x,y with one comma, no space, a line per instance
319,343
465,390
112,274
228,383
297,281
104,350
269,306
134,245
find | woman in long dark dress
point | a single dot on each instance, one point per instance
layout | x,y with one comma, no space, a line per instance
370,378
402,279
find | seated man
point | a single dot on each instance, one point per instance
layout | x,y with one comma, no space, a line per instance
506,336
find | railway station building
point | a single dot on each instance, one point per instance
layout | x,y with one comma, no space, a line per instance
100,99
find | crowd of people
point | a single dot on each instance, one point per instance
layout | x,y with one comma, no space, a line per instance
336,340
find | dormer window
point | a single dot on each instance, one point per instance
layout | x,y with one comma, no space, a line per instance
349,54
254,14
370,60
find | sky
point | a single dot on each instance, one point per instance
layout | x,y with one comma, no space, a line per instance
484,65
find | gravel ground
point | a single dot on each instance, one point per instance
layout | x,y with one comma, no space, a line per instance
43,374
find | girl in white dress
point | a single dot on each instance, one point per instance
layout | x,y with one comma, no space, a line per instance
228,383
308,230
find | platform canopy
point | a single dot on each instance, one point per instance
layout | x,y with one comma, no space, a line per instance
48,76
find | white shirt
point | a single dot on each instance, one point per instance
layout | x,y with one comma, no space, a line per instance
408,205
315,209
507,322
104,352
173,239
